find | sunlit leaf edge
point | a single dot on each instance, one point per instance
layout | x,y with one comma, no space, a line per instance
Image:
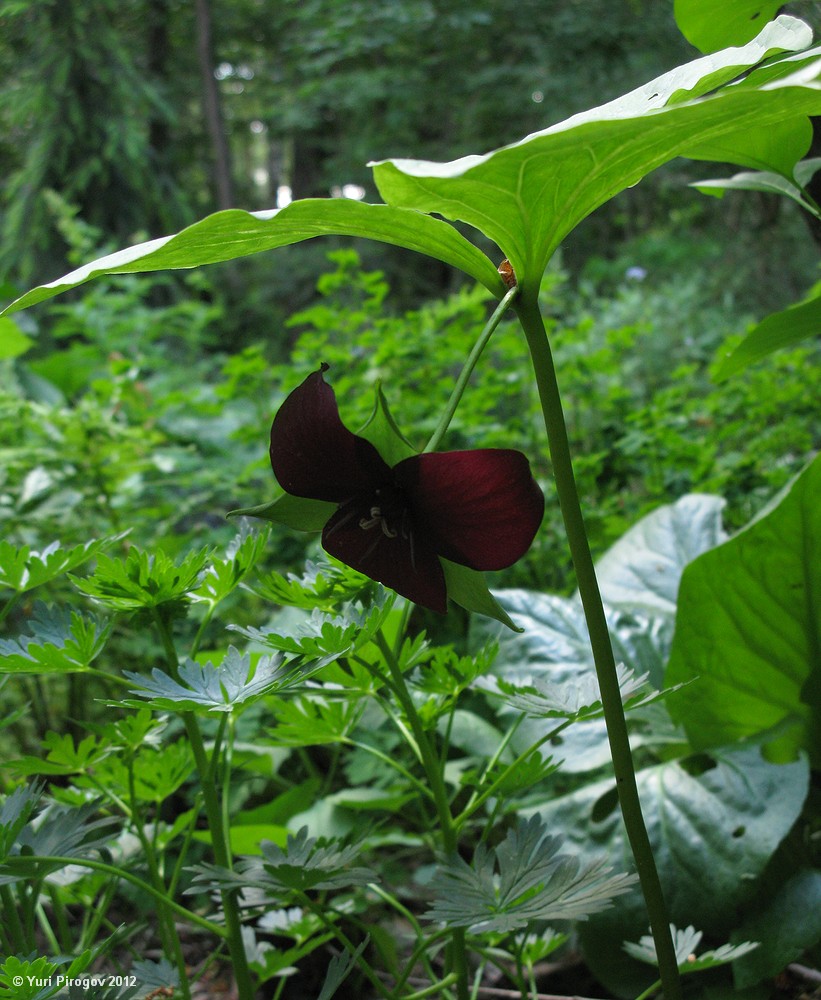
519,198
235,233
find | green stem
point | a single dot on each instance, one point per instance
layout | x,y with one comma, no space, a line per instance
10,604
652,989
321,913
61,919
435,990
419,954
13,926
467,370
433,772
97,912
219,834
165,923
390,762
206,621
26,860
527,309
46,929
477,799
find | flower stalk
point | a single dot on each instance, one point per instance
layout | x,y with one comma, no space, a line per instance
530,317
467,370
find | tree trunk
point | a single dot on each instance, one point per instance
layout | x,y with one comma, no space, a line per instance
213,109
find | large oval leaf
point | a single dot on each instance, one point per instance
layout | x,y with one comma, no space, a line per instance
709,25
713,829
528,196
749,631
642,570
234,233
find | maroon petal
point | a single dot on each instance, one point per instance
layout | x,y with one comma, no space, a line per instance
313,454
478,508
390,552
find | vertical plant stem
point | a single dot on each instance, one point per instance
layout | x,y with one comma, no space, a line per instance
467,369
433,771
527,309
219,835
13,927
166,927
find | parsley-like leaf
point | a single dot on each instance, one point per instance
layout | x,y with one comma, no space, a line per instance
523,879
24,568
144,581
224,574
303,864
234,682
324,637
61,641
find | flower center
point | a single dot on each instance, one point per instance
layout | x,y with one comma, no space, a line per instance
377,518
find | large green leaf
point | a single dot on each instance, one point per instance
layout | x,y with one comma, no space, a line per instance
642,570
768,182
782,329
528,196
234,233
713,825
787,923
554,649
712,24
749,629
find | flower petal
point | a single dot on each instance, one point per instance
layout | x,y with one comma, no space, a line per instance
394,556
313,454
479,508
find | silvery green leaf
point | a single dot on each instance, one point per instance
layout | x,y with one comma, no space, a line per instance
523,879
235,681
571,700
685,943
642,570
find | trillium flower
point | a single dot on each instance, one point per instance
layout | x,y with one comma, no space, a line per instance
479,509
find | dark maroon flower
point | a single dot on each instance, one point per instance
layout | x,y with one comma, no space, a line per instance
479,508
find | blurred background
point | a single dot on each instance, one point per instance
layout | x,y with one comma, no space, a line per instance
144,401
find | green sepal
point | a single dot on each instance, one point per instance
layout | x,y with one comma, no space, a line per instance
468,588
299,513
383,432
